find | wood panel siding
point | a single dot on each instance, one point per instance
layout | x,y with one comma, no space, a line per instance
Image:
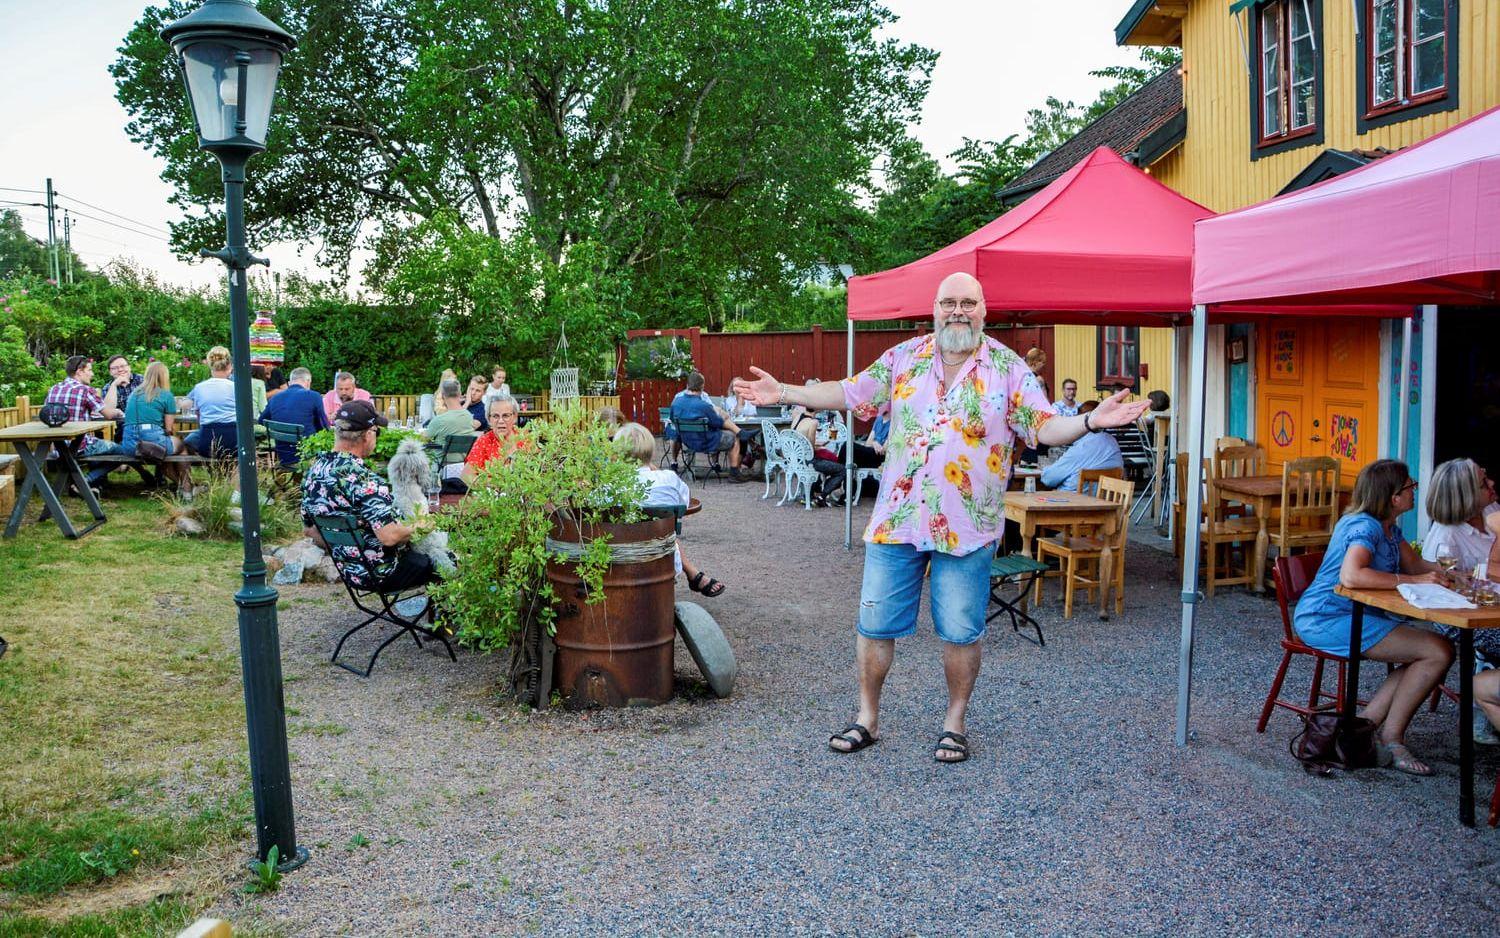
1213,165
1077,358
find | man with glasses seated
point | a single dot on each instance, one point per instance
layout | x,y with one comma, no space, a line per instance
339,483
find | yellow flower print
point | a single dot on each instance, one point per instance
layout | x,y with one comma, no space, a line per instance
965,463
977,381
994,463
973,433
953,473
952,541
1015,399
903,391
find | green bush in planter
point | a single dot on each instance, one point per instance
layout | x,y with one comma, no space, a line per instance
565,468
385,446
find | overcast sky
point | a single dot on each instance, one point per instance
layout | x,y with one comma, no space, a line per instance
59,117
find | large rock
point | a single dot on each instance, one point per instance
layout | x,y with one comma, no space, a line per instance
305,553
187,524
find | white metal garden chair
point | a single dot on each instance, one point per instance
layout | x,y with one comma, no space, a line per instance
798,467
775,460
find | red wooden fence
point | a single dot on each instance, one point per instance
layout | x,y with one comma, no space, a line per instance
792,357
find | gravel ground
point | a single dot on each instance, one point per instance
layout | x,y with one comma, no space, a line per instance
1077,813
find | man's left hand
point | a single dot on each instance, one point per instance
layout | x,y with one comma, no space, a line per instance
1113,411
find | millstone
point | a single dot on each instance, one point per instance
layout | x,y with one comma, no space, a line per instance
705,641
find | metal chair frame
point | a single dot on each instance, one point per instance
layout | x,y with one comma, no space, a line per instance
341,531
690,455
1023,572
775,458
798,468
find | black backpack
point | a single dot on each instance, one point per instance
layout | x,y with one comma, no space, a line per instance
54,414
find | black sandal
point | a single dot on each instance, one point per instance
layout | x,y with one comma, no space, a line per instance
710,589
861,740
959,744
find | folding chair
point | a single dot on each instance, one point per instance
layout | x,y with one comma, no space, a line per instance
278,431
343,531
1020,571
668,433
454,450
689,458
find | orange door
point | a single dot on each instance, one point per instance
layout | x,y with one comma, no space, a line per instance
1319,391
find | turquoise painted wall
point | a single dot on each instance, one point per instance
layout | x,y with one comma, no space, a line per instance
1413,404
1239,386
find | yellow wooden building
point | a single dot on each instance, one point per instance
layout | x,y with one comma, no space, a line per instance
1277,95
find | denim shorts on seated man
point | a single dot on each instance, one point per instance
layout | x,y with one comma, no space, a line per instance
892,592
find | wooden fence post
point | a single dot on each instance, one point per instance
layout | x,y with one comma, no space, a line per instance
817,356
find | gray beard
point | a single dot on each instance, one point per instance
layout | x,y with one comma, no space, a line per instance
958,338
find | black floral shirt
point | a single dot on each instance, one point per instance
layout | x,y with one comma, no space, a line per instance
341,484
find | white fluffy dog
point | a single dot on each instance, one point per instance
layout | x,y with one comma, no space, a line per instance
410,473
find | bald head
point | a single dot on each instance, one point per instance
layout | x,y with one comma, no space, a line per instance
958,313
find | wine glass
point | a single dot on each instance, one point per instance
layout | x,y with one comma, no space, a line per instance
1447,560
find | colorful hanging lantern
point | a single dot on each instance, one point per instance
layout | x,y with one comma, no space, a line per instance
266,346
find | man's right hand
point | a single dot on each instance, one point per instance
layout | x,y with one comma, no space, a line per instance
762,392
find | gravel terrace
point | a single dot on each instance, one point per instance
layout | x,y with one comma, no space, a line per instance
431,807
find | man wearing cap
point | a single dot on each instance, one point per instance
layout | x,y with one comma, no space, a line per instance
339,483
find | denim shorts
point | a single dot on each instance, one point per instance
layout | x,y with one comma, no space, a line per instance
214,439
137,433
892,592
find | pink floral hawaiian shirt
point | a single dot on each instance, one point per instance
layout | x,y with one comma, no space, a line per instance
948,457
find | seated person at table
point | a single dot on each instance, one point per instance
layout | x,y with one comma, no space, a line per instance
345,389
1094,450
501,440
297,403
437,395
1067,405
116,392
257,391
149,417
474,401
83,403
213,401
1368,551
722,435
664,489
497,386
829,461
807,422
1457,502
339,483
454,419
275,381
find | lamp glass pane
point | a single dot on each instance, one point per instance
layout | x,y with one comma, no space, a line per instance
213,85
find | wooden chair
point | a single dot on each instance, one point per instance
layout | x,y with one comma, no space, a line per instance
1236,462
1088,479
1223,529
1224,442
1179,504
1309,504
1077,554
1292,575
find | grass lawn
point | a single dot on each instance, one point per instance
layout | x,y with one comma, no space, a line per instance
124,800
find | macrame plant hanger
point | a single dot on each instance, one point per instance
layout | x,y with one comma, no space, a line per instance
564,378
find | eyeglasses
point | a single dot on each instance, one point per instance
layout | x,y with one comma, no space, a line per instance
1410,486
968,305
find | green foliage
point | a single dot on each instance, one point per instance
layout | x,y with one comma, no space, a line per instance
388,348
567,469
215,506
265,877
21,255
19,372
386,443
658,357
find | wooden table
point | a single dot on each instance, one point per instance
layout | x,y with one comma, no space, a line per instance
1466,621
31,441
1261,493
1030,510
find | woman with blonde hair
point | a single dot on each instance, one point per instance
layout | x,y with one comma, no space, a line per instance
438,404
150,415
1367,551
664,489
213,399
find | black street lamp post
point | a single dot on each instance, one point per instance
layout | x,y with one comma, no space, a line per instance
230,56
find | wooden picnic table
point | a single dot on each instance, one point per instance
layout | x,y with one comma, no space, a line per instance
1465,621
31,441
1030,510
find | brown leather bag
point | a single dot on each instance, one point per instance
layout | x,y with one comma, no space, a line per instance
1326,743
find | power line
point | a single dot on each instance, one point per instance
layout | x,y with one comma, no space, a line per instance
106,211
32,191
106,221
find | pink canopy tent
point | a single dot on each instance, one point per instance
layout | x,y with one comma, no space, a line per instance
1421,226
1103,243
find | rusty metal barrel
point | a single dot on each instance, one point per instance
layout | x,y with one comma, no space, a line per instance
617,652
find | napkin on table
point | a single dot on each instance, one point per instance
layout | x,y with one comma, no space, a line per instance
1432,596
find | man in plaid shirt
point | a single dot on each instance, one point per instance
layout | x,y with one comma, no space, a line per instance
77,394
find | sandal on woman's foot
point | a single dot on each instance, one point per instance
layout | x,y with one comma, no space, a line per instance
710,589
1403,761
956,743
862,739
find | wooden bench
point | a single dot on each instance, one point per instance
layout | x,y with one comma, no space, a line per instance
144,467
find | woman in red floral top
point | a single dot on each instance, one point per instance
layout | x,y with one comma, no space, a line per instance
500,441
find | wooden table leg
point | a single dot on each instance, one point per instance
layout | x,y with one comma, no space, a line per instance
1262,545
1106,576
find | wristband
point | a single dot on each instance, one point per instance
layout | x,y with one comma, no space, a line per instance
1086,427
781,398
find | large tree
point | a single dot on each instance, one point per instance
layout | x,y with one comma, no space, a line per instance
685,150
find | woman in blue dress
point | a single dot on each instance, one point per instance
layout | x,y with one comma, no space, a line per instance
1367,551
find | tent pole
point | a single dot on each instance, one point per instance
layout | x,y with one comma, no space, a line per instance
849,453
1403,389
1192,527
1427,432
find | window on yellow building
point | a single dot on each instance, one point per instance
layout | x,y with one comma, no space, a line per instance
1408,58
1288,70
1119,356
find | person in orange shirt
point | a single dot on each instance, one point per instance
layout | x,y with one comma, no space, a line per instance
500,441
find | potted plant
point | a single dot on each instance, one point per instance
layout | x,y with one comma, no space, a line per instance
385,447
552,538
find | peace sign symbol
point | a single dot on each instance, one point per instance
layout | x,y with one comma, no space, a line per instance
1283,430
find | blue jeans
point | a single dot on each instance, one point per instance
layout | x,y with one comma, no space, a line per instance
97,447
138,433
214,439
892,592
